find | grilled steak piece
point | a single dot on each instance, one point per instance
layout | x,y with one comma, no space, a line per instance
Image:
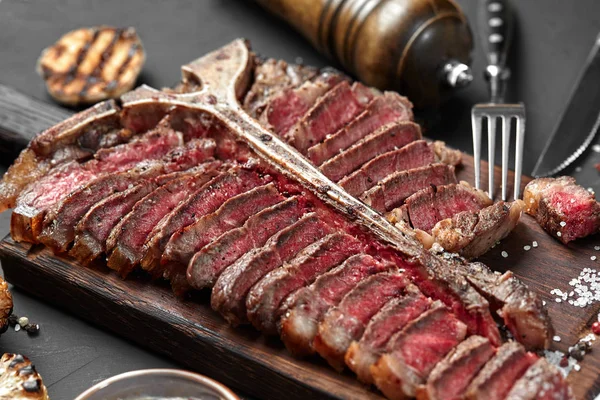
564,209
40,196
203,201
414,155
285,109
305,308
392,318
542,381
451,376
414,351
446,155
386,138
381,111
428,206
125,244
206,265
393,190
331,112
230,290
264,299
184,243
346,322
270,77
500,373
95,226
472,234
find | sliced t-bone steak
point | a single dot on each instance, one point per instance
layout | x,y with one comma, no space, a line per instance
393,190
472,234
270,77
125,244
386,138
542,381
232,214
330,113
500,373
304,309
41,195
381,111
204,201
392,318
207,264
428,206
347,321
284,110
413,155
564,209
414,351
230,290
451,376
265,298
93,229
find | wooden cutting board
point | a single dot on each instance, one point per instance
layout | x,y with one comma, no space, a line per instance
191,333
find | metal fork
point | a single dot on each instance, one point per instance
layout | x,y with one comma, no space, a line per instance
495,24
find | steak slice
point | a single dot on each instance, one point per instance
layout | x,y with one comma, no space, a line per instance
428,206
204,201
392,318
472,234
414,351
414,155
387,138
184,243
270,77
125,244
284,110
331,112
451,376
304,309
265,298
230,290
564,209
542,381
393,190
500,373
381,111
35,201
93,229
206,265
347,321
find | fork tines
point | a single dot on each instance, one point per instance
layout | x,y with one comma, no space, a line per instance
505,113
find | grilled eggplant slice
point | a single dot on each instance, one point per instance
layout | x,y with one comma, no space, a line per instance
89,65
19,380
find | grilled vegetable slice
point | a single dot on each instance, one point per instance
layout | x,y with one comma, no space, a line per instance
19,379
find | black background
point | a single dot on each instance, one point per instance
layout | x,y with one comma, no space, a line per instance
552,40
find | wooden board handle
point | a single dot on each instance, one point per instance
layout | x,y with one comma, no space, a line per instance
21,118
391,44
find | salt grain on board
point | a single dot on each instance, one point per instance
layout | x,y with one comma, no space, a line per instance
504,254
527,248
534,244
556,338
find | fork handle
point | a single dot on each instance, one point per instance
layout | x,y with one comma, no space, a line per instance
495,30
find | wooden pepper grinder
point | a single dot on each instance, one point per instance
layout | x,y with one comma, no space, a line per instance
420,48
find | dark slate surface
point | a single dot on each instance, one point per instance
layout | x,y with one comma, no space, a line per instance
552,40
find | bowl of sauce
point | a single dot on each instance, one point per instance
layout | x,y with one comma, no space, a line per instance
158,384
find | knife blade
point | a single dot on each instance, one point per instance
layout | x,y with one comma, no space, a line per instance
578,123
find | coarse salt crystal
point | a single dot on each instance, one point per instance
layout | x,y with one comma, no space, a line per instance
558,300
504,254
556,338
563,223
527,248
534,244
591,190
596,248
544,303
577,367
593,258
559,234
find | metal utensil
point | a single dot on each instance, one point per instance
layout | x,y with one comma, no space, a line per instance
495,25
579,122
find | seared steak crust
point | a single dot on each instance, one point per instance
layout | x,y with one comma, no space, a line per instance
232,287
266,296
347,321
542,381
413,155
304,309
386,138
392,318
414,352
